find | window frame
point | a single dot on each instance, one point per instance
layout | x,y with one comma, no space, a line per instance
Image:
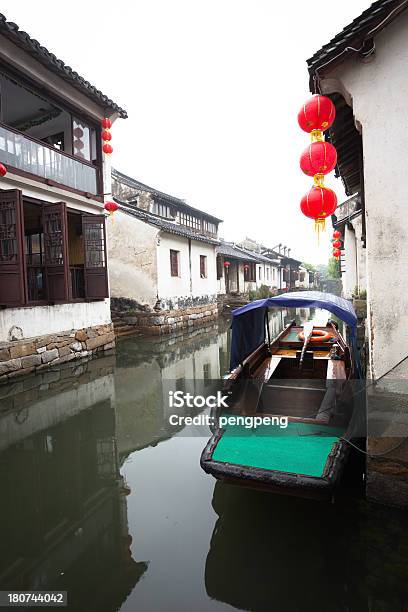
174,270
203,267
64,269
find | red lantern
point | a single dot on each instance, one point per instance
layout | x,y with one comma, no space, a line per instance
317,113
106,123
226,264
3,170
336,253
107,148
318,158
246,267
106,135
336,244
111,207
336,234
319,203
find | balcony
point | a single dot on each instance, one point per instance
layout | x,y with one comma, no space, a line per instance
28,155
348,208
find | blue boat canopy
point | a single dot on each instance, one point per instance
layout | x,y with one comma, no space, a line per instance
249,324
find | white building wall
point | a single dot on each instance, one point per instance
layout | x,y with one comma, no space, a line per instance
132,256
349,276
36,321
173,287
187,289
361,255
203,286
378,91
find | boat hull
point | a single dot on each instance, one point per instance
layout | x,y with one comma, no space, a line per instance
278,482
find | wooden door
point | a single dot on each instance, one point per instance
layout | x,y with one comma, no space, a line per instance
12,268
96,274
56,262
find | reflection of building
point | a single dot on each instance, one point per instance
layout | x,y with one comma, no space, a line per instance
53,265
254,561
63,512
264,545
146,371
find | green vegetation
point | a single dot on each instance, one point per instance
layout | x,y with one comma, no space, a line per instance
309,266
260,293
360,295
333,268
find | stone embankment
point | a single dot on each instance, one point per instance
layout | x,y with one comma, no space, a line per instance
163,322
29,355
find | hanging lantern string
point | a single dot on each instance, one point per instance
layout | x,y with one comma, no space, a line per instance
315,117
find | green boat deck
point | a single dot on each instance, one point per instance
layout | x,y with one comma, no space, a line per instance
301,448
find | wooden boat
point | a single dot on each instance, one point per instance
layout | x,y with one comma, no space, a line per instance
299,378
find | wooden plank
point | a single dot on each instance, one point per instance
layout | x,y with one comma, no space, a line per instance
265,371
336,370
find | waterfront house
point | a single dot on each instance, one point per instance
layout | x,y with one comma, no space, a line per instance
364,71
162,252
349,220
53,264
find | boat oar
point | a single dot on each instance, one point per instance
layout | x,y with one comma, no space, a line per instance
307,332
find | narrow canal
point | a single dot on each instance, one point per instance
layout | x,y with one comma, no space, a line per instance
102,498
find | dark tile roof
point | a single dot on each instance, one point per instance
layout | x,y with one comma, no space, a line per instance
365,26
48,59
232,251
164,224
160,195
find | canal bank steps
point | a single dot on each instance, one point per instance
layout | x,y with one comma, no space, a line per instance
123,329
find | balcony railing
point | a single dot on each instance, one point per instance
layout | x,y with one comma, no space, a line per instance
29,155
348,208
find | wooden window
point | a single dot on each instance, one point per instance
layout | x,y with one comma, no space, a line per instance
162,210
12,276
56,252
96,276
220,268
34,264
174,262
209,228
203,266
260,273
250,272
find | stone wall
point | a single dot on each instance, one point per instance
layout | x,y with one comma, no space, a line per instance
165,321
22,357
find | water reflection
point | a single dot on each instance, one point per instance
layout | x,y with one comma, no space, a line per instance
100,497
63,516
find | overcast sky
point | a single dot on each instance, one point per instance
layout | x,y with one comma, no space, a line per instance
212,89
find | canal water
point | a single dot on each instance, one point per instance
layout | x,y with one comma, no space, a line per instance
100,497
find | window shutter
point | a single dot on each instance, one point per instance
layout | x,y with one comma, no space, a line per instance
96,273
56,252
174,263
220,268
12,276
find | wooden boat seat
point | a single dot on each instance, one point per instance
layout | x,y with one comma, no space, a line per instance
267,368
336,371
